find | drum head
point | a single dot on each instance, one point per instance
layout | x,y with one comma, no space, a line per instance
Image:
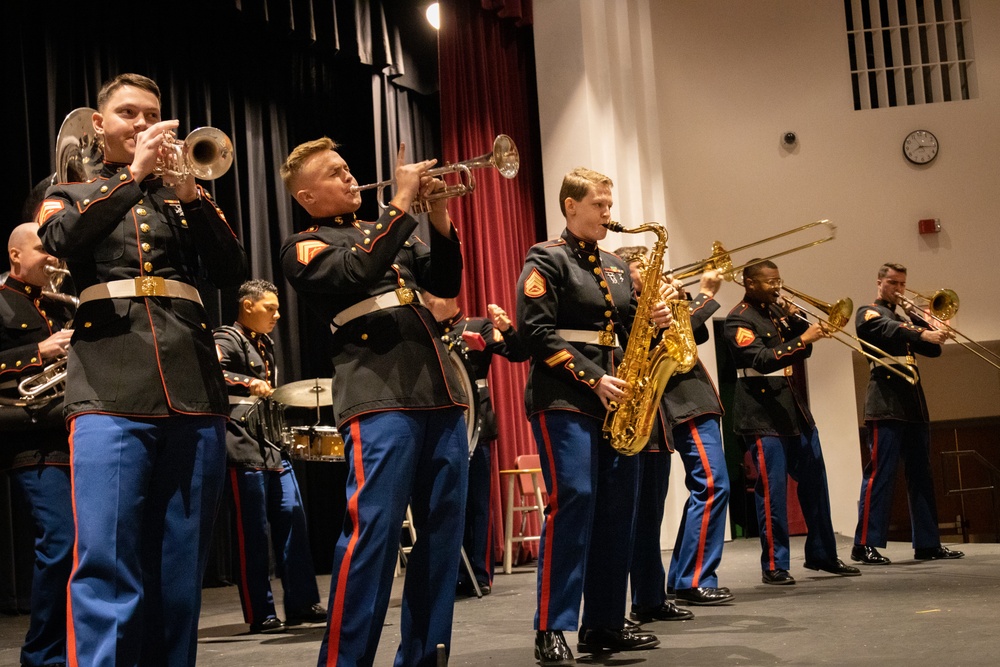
473,420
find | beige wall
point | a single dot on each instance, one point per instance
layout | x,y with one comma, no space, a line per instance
728,78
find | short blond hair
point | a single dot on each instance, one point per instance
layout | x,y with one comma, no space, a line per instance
578,182
293,164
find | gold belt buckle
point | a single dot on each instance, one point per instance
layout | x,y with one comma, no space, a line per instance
150,286
787,371
405,295
606,338
910,360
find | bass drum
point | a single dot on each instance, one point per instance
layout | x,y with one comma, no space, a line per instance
473,419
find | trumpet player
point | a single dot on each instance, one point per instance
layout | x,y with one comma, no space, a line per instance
145,398
897,423
35,450
765,337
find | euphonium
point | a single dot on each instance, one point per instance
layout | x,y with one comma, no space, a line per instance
629,422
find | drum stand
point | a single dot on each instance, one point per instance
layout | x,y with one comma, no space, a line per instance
403,551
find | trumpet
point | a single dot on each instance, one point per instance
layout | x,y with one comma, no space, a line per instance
504,158
942,306
206,153
722,261
838,314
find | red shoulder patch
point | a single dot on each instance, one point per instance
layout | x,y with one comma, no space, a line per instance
306,250
534,284
49,208
744,337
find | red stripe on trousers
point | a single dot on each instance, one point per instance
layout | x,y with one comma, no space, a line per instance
762,470
71,658
241,548
707,512
871,483
543,602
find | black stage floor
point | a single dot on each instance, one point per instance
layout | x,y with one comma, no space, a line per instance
908,614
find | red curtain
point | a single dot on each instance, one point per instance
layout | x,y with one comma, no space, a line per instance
487,82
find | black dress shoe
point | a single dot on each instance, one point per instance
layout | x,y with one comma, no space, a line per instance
314,614
704,595
868,555
629,624
269,626
777,577
936,553
602,640
836,566
551,648
667,611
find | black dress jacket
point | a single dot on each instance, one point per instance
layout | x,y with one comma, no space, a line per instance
245,356
762,338
141,356
890,396
392,358
571,284
33,434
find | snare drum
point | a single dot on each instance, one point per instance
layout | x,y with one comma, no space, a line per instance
327,444
300,442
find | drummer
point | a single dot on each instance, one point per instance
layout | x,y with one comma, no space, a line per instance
261,479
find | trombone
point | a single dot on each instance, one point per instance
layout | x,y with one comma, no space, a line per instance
942,306
504,158
837,316
721,259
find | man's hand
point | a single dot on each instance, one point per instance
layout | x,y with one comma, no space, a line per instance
814,333
936,336
661,315
56,345
611,388
409,179
711,281
260,388
500,318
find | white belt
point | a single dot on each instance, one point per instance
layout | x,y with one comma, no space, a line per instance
402,296
241,400
483,384
605,338
142,286
751,373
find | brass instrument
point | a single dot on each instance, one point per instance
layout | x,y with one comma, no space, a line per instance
942,306
721,259
837,316
629,422
53,289
78,149
504,158
206,153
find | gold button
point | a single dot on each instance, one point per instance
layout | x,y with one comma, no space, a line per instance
592,382
580,373
34,360
252,364
144,227
3,367
24,325
607,313
364,336
86,202
582,244
592,258
378,226
86,325
607,297
367,232
104,188
603,284
367,241
572,365
140,211
27,289
354,248
146,247
184,223
762,391
18,364
203,326
393,212
597,270
123,176
148,266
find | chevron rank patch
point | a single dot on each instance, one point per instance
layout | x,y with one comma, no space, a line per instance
744,337
306,250
534,284
560,357
49,208
871,314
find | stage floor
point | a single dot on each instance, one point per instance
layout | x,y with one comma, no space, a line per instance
909,613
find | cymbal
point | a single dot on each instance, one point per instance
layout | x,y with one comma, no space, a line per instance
305,393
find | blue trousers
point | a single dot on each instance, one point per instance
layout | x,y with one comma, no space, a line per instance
800,457
46,490
478,539
260,498
145,493
889,440
586,536
646,573
395,458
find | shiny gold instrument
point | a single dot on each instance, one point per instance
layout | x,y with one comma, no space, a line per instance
647,369
941,306
206,153
838,315
504,158
722,261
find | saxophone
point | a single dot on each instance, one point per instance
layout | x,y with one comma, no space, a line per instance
629,423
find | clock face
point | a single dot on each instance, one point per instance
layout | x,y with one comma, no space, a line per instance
920,147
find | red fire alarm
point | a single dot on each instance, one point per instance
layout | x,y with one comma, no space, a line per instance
929,226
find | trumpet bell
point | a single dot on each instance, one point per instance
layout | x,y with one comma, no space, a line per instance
505,156
208,153
841,312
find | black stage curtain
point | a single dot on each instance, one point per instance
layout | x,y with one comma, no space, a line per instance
270,74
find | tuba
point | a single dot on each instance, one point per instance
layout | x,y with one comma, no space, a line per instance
629,423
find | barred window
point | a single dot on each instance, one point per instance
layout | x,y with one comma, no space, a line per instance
906,52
